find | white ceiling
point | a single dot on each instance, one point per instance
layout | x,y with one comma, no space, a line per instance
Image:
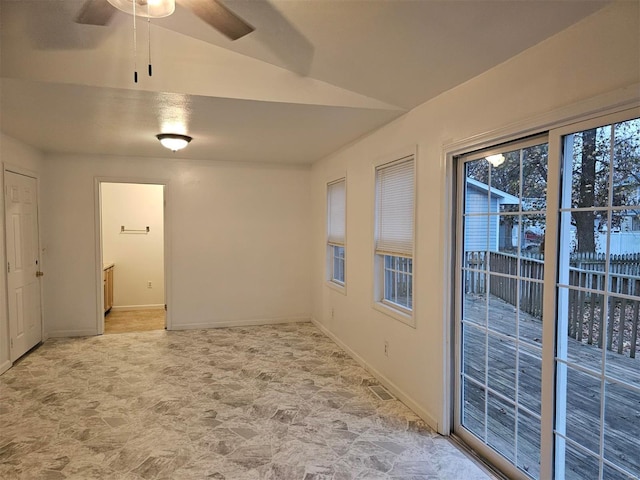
315,75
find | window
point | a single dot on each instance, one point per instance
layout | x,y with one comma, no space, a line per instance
336,206
337,271
398,284
394,233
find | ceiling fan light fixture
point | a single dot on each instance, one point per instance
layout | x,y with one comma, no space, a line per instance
146,8
173,141
495,160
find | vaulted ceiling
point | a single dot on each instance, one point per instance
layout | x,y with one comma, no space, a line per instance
313,76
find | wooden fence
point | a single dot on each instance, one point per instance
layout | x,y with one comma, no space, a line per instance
625,264
505,288
587,317
586,313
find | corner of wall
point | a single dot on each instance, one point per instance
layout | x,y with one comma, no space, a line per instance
387,383
4,366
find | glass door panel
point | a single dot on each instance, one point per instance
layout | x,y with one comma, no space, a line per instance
500,323
597,411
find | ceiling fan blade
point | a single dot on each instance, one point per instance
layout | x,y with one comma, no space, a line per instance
219,17
95,12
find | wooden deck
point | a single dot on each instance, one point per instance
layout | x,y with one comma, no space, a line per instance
622,405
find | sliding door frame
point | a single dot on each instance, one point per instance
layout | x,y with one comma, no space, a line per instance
624,102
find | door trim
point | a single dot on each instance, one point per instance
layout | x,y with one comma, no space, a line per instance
98,181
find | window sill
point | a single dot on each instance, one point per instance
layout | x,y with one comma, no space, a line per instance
406,318
337,287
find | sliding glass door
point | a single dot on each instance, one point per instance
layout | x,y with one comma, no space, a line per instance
503,225
597,430
564,221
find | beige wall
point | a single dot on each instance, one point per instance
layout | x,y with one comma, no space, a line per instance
12,154
138,257
238,237
596,56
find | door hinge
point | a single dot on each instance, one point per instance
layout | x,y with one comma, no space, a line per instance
8,267
11,343
165,307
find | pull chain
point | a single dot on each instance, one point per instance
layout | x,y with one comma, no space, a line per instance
149,36
135,43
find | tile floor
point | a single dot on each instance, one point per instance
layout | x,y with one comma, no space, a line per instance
126,321
271,402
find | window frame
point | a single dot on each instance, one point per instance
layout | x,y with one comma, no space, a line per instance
330,280
380,303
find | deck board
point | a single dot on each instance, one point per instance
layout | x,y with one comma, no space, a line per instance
622,405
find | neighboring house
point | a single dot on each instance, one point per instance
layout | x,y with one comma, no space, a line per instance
625,238
483,232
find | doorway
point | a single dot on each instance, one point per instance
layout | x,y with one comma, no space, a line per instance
132,240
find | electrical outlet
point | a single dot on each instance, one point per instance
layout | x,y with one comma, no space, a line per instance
386,348
149,284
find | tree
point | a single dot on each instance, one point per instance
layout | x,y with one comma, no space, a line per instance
593,172
584,182
596,163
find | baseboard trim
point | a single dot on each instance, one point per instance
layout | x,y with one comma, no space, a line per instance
72,333
240,323
388,384
131,308
4,366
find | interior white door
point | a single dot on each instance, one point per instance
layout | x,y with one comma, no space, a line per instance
23,263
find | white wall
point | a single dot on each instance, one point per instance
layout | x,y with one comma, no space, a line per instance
238,240
138,257
12,154
598,55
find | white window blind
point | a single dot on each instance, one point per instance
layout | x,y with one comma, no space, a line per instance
336,202
395,208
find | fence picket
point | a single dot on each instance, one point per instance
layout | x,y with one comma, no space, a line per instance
587,314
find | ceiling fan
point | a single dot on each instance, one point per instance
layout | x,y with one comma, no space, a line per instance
213,12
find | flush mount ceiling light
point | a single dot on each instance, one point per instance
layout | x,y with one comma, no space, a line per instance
145,8
173,141
495,160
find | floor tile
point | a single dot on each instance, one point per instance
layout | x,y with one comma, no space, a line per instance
268,402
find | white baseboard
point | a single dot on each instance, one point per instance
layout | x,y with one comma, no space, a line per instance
239,323
130,308
4,366
72,333
388,384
